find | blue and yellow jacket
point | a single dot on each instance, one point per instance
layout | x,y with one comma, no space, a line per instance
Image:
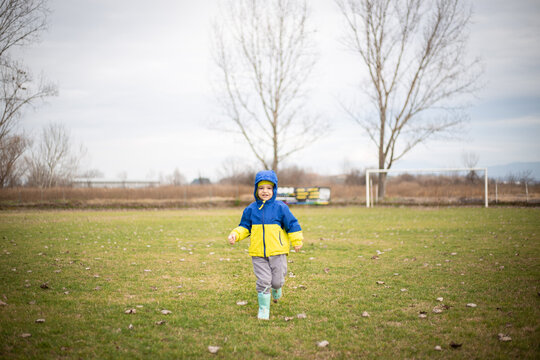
271,225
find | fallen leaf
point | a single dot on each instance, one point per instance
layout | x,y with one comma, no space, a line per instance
438,348
213,349
160,322
130,311
471,305
503,337
301,316
2,303
380,282
365,314
131,327
241,303
404,290
166,312
422,315
26,335
327,270
440,299
288,318
454,345
44,286
40,321
323,344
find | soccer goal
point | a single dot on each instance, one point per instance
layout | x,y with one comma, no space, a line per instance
376,171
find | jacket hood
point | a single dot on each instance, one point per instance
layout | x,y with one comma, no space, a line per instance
268,175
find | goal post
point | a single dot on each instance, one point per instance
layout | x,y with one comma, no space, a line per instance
377,171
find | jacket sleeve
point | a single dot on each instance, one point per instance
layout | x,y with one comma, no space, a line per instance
291,225
244,228
240,232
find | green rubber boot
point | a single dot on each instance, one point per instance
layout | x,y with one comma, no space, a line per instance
276,294
264,306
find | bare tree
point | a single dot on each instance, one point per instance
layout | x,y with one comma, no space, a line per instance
91,174
236,171
11,151
176,178
265,55
54,161
18,90
21,22
414,54
525,176
470,160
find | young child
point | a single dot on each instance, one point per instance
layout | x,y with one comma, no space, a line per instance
272,227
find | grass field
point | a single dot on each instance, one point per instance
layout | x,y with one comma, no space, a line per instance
78,272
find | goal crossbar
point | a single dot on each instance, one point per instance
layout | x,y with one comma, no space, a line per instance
376,171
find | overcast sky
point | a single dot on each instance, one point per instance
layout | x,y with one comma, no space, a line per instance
135,88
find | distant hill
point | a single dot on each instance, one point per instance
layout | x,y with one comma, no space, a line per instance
516,169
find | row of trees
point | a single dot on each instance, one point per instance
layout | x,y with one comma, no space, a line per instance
49,160
296,176
413,53
21,22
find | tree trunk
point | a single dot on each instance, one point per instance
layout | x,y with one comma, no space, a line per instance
382,158
382,186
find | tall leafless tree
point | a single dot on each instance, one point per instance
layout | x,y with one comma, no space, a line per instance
265,55
21,22
54,161
418,74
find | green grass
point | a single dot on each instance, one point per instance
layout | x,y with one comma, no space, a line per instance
96,264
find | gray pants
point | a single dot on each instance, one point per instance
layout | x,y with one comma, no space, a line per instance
270,272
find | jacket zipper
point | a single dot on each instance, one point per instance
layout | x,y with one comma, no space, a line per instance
264,241
280,239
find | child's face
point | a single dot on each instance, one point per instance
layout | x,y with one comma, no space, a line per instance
265,192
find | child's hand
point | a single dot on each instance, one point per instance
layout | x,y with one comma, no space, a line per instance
297,248
232,239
